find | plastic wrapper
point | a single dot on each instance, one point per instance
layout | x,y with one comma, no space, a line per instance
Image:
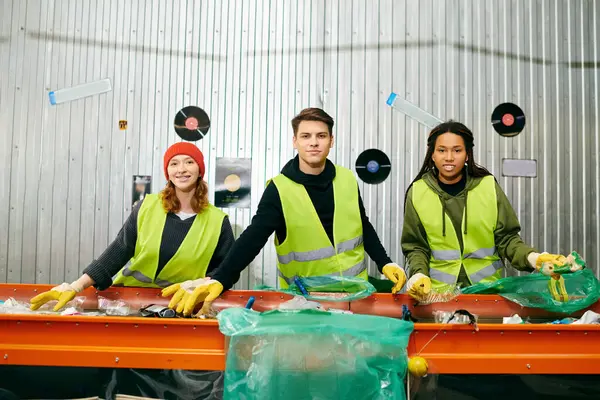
114,307
588,318
300,303
513,319
310,354
532,291
211,314
12,306
454,317
328,288
440,295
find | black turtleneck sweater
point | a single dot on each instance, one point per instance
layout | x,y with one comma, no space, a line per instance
269,218
454,189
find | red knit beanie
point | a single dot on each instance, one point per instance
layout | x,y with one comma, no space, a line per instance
187,148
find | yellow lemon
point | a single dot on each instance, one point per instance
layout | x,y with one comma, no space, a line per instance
417,366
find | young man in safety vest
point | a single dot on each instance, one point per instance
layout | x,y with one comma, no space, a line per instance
315,209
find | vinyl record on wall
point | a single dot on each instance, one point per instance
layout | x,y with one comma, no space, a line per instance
191,123
508,119
373,166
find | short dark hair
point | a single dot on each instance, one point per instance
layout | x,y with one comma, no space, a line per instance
312,114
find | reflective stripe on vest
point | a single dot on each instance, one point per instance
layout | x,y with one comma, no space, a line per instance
192,257
479,257
143,278
320,254
455,254
477,277
307,250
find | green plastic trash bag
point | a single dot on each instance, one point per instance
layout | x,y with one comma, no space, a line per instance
327,288
532,291
381,285
312,354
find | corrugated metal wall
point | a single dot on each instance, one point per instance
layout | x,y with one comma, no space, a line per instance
66,170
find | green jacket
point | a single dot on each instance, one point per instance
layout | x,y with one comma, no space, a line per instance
508,242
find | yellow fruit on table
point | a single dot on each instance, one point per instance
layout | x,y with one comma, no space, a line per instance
417,366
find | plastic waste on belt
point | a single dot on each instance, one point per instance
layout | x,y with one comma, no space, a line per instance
554,288
310,354
327,288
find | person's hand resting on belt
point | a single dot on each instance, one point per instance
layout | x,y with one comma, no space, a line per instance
396,274
64,293
188,294
418,286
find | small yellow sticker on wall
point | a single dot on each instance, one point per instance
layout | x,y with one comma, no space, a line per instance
122,125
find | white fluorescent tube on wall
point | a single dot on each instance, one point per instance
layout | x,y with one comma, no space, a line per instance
79,91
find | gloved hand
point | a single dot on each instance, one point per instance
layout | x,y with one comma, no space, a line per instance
418,286
64,293
189,293
396,274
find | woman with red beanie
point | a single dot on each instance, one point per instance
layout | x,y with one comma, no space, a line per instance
173,239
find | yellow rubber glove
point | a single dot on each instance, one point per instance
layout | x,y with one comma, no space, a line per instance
64,293
396,274
188,294
418,286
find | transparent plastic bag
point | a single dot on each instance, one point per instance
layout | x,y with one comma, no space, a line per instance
165,384
55,382
310,354
114,307
327,288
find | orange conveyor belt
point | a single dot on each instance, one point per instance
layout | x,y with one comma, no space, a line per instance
194,344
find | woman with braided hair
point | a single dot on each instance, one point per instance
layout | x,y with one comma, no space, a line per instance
459,225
